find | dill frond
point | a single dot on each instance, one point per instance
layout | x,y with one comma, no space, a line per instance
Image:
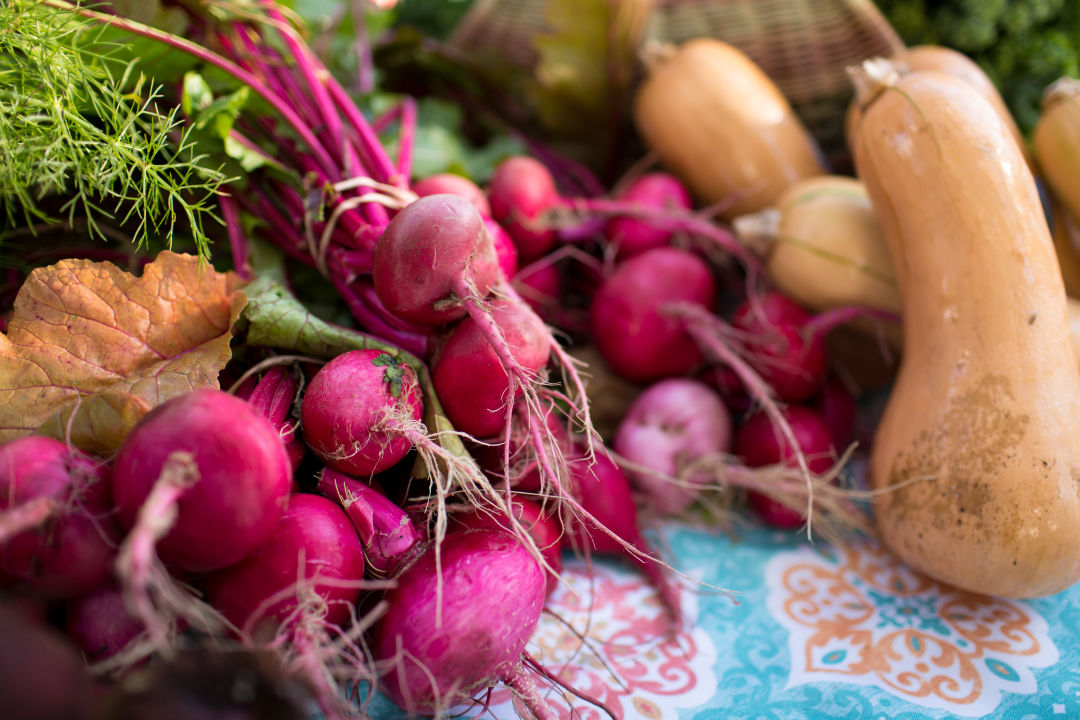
78,125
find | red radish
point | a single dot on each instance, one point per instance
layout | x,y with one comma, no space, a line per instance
100,624
505,251
361,412
386,532
457,623
672,424
433,256
274,395
540,285
724,380
777,347
604,492
57,533
520,192
631,235
758,444
263,588
636,338
453,184
536,520
837,407
468,372
238,478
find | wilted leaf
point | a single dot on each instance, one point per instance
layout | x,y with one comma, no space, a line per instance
99,423
81,327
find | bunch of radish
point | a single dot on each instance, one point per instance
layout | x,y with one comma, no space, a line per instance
323,512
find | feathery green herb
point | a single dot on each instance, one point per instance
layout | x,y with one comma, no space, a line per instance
78,126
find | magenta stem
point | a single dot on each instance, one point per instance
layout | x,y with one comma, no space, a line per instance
238,242
371,150
832,318
670,219
26,516
406,139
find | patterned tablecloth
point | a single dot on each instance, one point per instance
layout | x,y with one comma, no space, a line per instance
813,631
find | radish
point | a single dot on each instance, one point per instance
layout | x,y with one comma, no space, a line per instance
270,586
479,405
457,623
227,473
542,527
609,523
386,532
789,360
758,444
505,251
453,184
521,190
362,411
837,407
100,624
636,339
57,533
540,285
672,424
632,235
433,256
274,395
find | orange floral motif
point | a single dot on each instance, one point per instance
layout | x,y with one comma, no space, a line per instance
856,615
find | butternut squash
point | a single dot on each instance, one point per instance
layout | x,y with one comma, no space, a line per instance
1056,139
951,62
718,122
979,445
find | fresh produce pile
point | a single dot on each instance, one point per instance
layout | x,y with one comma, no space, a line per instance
348,450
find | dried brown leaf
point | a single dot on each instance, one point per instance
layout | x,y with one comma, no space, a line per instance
82,327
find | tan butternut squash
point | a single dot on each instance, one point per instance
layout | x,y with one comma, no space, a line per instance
951,62
979,446
718,122
1056,140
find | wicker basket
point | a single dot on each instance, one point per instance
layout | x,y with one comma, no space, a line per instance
805,46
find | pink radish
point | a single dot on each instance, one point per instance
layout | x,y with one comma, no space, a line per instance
672,424
100,624
453,184
262,591
433,256
792,362
228,473
505,251
387,534
57,533
540,285
520,192
542,527
636,338
632,235
274,395
478,406
758,444
362,411
609,523
457,623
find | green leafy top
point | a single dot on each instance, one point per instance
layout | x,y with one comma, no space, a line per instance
394,373
77,124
